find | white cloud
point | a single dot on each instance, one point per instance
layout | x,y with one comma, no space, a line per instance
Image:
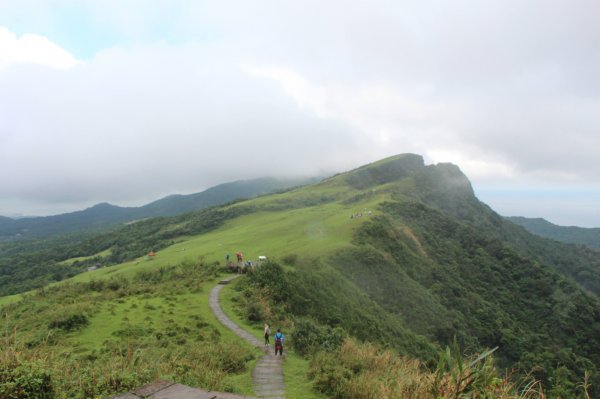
32,49
483,168
388,119
509,91
134,124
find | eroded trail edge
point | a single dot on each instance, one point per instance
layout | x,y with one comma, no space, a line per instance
267,376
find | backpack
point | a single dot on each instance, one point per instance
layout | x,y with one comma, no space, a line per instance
278,339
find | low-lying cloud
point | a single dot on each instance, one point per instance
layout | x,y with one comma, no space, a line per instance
136,124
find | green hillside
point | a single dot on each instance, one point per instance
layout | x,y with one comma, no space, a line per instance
44,253
568,234
396,253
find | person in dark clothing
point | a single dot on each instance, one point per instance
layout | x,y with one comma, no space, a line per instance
279,339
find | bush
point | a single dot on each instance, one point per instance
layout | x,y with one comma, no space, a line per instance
25,381
308,337
232,358
290,259
254,311
70,323
271,277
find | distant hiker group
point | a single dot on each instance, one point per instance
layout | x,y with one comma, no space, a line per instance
361,214
242,266
278,337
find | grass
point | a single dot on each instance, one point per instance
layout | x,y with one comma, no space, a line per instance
312,231
298,384
129,324
82,258
160,313
5,300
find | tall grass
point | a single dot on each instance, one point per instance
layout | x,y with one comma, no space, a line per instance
43,373
365,371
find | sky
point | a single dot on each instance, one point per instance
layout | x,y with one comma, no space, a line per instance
128,101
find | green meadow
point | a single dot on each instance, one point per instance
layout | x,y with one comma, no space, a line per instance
101,254
313,231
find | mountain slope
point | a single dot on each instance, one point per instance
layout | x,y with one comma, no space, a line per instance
396,253
102,216
568,234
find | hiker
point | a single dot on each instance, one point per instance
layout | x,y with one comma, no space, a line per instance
267,333
279,338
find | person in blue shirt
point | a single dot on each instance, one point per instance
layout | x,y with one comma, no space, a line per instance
279,338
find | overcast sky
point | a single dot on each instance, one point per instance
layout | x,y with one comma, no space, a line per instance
128,101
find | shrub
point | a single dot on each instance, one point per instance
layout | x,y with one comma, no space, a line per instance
254,311
308,337
290,259
28,380
70,323
271,277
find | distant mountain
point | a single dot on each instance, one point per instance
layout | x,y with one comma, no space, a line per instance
570,234
105,216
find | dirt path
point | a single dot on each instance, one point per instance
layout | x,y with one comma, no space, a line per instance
268,374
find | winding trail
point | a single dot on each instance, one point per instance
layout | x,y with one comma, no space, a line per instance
267,376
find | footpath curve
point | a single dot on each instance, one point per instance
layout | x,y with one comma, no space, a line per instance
267,376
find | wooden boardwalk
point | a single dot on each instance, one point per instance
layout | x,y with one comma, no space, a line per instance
171,390
268,374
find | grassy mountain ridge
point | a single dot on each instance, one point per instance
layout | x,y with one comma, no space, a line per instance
568,234
396,253
104,216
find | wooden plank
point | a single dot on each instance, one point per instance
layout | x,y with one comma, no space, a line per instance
126,395
150,389
178,391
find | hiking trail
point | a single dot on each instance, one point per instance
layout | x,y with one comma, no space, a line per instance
267,376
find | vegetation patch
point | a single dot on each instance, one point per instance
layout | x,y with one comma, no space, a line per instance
116,334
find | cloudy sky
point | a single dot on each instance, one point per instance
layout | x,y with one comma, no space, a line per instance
128,101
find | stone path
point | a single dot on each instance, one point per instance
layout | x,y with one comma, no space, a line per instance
268,374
